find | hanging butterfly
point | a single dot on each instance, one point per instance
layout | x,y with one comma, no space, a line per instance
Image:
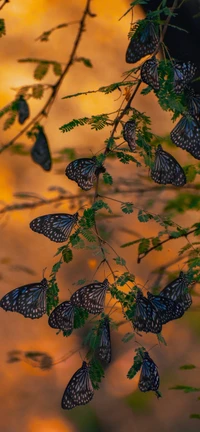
91,297
23,110
166,169
84,171
166,308
79,390
149,376
40,151
28,300
186,134
62,317
149,73
177,290
129,134
144,41
183,74
193,100
146,317
104,348
57,227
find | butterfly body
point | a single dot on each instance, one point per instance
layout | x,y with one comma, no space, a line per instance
149,73
84,172
166,169
167,308
28,300
177,290
62,317
79,390
186,134
40,151
144,41
104,348
91,297
23,110
129,134
146,317
149,376
57,227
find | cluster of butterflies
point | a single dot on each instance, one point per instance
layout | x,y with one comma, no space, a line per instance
149,316
186,133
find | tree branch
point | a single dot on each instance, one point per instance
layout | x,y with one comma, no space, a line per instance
4,3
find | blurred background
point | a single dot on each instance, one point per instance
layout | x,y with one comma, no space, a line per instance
30,396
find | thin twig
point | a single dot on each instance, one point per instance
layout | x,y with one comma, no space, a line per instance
4,3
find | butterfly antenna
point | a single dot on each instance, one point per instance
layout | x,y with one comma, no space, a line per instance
43,272
153,347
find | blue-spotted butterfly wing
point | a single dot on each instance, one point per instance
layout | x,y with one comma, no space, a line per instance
193,100
144,41
183,74
23,110
84,171
40,151
149,73
28,300
57,227
149,376
62,317
91,297
146,317
129,134
79,390
186,134
166,169
167,309
177,290
104,348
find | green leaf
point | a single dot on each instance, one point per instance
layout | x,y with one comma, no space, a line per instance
37,91
155,242
57,69
19,149
96,373
143,216
137,363
56,266
130,243
126,158
74,123
161,339
85,61
143,245
80,317
88,235
124,278
127,337
10,120
120,261
67,254
186,389
127,208
195,416
107,178
190,172
98,122
187,367
41,70
99,204
52,295
2,27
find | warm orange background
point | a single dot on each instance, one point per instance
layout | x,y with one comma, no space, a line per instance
30,398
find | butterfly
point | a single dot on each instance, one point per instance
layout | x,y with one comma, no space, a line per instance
79,390
177,290
149,73
91,297
167,308
23,110
129,134
186,134
84,171
62,317
193,100
144,41
166,169
40,151
146,317
183,73
104,348
28,300
57,227
149,376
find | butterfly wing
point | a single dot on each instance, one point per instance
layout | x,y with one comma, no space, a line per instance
186,134
62,317
146,317
83,172
166,169
177,290
183,73
28,300
193,102
129,134
167,309
149,73
104,348
149,377
79,390
91,297
57,227
144,41
23,110
40,151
